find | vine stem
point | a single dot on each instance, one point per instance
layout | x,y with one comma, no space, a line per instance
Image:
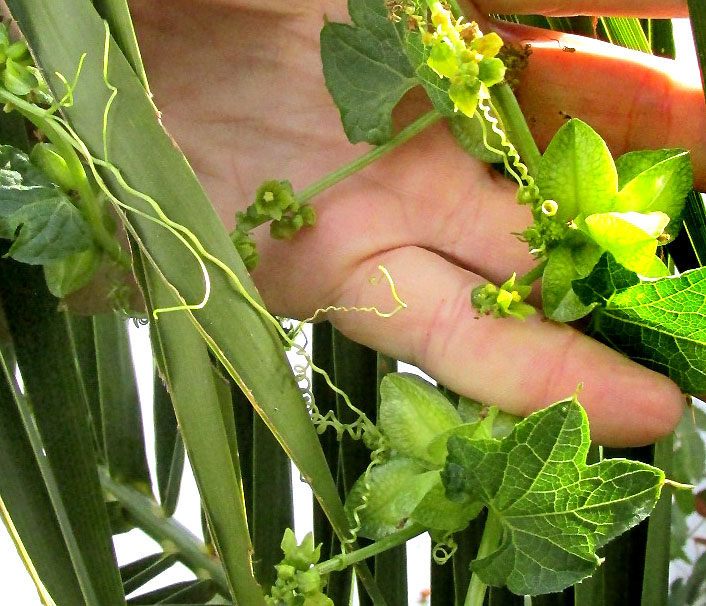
148,516
368,158
515,126
489,541
344,560
533,274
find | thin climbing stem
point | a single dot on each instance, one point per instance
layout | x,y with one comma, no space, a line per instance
489,541
368,158
148,516
515,126
343,560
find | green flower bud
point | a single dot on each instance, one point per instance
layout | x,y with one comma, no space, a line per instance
246,248
468,70
488,45
318,600
285,571
491,71
47,158
73,272
442,58
284,229
18,79
525,196
309,581
308,215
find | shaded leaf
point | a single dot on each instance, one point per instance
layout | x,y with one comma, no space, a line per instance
435,86
41,219
555,510
660,324
607,277
366,73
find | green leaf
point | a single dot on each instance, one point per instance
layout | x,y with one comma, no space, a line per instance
469,134
385,498
436,87
632,238
577,171
631,164
502,423
555,510
50,226
660,324
607,277
121,415
662,187
567,262
366,72
72,273
437,512
412,413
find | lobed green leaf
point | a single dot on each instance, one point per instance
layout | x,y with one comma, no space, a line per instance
555,510
367,74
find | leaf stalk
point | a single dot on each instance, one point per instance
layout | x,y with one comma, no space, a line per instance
492,533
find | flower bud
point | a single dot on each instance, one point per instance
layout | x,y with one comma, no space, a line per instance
18,79
46,157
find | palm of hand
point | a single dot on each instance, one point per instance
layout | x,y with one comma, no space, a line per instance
242,91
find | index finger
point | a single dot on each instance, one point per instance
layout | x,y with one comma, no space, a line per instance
654,9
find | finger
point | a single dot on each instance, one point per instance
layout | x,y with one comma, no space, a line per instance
520,366
429,193
655,9
633,100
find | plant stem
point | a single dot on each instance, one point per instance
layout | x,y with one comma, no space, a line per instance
368,158
491,537
344,560
89,201
515,126
533,274
148,515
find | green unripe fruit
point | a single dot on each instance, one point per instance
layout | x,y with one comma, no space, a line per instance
46,157
491,71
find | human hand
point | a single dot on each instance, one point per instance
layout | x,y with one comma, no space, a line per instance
241,89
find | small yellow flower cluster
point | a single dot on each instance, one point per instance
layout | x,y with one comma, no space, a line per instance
459,52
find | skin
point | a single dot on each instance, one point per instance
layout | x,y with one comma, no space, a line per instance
241,89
